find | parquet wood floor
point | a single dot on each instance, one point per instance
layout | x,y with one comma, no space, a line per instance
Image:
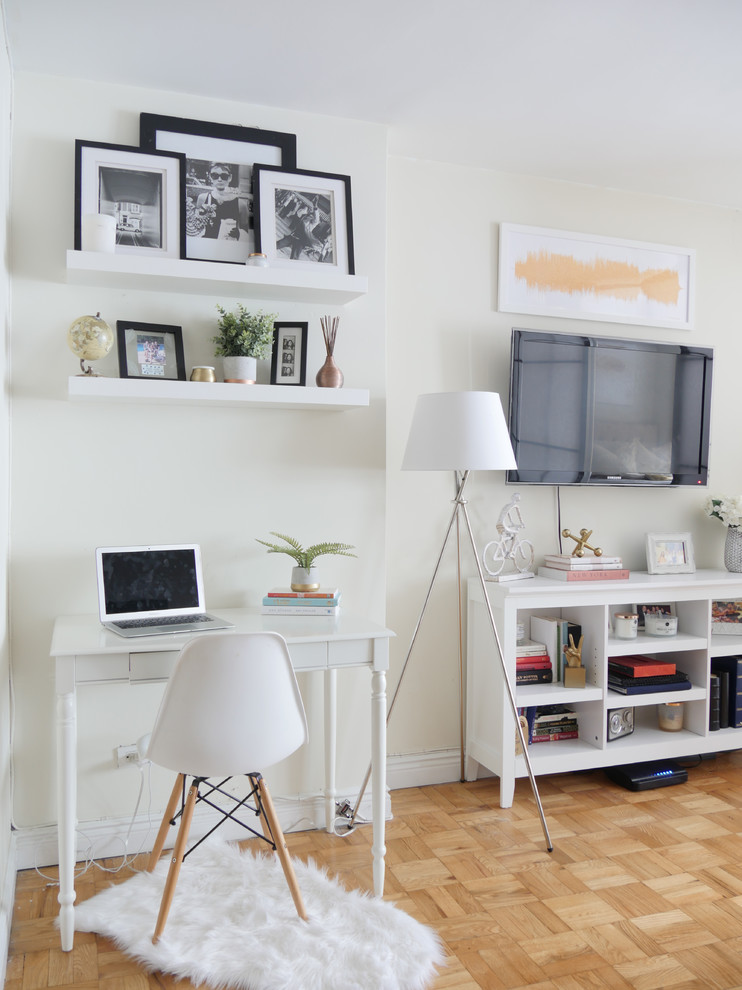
642,891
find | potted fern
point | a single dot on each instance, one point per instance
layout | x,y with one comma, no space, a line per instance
243,338
304,574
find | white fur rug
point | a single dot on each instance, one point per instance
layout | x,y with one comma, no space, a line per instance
233,924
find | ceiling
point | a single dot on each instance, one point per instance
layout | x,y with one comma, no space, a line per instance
644,95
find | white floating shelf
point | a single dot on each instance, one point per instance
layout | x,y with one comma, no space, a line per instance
90,389
214,278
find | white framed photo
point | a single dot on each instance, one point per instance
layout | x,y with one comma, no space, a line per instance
587,276
670,553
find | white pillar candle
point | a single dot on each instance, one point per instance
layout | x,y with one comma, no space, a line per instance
98,233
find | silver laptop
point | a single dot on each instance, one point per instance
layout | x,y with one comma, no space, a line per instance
150,591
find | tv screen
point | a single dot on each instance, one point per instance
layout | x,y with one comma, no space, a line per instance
607,411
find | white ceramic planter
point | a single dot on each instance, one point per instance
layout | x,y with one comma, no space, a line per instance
240,369
304,579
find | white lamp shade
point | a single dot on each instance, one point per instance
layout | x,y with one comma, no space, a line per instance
458,431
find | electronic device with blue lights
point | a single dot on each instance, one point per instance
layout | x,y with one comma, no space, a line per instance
645,776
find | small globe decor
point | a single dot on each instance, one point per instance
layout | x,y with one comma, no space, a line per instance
90,338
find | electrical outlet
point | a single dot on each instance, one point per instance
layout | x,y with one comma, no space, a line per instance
126,755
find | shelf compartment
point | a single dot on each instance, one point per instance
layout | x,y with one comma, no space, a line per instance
85,388
212,278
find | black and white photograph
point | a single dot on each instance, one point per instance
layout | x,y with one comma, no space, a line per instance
289,358
143,192
304,219
218,212
150,350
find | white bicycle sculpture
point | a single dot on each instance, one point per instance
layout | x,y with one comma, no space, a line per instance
508,547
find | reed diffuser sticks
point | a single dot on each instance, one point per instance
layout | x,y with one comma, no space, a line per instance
329,331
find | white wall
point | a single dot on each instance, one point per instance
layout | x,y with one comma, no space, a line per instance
89,475
7,846
445,334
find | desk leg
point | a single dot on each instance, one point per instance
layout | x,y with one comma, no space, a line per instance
378,775
331,705
66,805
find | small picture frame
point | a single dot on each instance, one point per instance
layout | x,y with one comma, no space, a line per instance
143,191
289,358
656,608
670,553
303,219
726,618
150,350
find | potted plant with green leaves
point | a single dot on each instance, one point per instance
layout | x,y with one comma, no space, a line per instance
304,574
243,338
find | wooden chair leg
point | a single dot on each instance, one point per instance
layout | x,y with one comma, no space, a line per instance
271,818
165,824
175,862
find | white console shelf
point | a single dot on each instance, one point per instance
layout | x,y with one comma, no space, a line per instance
212,278
490,729
98,389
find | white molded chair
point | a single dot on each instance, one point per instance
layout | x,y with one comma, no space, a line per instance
231,708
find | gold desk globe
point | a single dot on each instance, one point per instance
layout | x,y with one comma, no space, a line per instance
90,338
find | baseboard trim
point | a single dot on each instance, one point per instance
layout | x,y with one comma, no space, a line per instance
106,838
7,900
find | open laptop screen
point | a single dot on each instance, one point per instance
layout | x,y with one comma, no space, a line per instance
144,582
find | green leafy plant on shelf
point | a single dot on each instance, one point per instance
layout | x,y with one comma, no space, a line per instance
305,557
244,334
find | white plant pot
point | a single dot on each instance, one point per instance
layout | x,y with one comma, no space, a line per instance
304,579
240,369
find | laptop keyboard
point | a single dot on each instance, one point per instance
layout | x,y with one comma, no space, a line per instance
170,620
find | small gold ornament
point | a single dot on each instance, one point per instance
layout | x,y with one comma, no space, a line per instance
582,544
90,338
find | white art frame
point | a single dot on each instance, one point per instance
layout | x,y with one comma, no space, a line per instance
670,553
545,272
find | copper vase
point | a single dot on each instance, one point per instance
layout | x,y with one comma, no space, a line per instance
329,375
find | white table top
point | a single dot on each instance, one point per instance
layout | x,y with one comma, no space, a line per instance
83,634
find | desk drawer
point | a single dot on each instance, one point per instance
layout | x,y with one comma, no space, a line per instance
96,669
351,652
155,666
308,656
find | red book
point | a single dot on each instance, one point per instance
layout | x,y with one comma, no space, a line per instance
533,662
636,666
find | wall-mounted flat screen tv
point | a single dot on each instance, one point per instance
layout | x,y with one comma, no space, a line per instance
588,410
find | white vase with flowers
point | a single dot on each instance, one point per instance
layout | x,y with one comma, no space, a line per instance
728,509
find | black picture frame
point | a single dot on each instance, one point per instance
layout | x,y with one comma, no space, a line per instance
287,201
143,190
289,357
151,351
206,144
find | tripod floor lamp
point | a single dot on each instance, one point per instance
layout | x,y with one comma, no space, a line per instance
462,432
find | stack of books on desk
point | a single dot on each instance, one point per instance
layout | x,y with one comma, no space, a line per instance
532,663
644,675
284,601
565,567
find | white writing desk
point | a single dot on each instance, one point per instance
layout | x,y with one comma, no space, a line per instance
86,653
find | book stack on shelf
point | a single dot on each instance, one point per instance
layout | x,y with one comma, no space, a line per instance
729,672
555,633
532,663
551,723
645,675
565,567
284,601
